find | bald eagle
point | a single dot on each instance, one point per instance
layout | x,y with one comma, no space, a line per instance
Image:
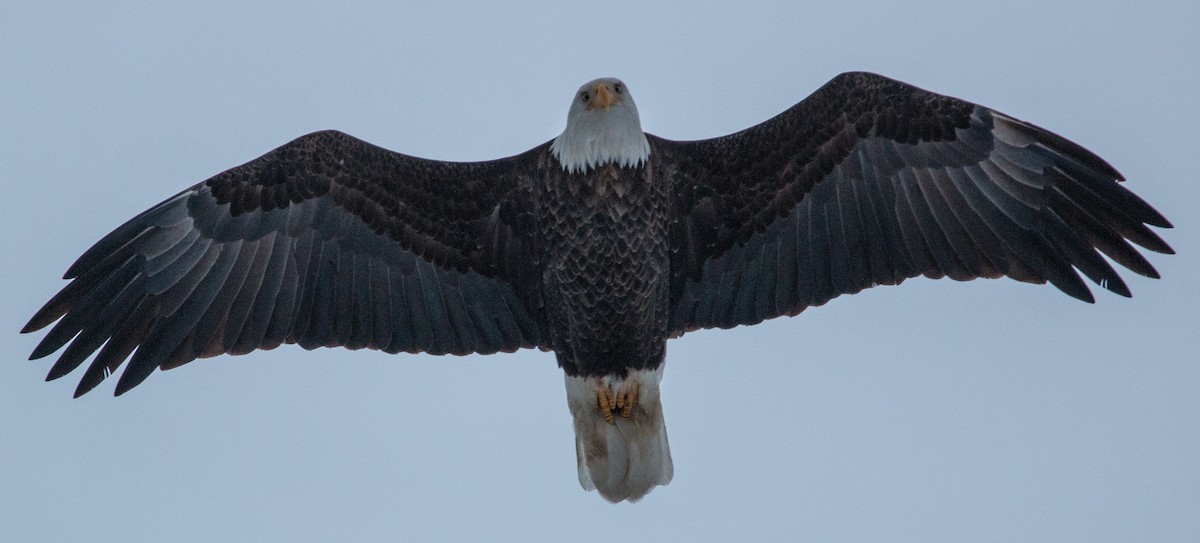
599,245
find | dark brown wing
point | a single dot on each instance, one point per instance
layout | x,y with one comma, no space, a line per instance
870,181
326,241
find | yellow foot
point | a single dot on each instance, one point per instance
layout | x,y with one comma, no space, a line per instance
624,400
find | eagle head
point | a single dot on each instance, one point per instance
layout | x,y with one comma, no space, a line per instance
602,128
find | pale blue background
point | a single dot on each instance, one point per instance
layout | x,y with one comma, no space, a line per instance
937,411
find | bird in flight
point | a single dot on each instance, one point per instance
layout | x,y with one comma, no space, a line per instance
599,245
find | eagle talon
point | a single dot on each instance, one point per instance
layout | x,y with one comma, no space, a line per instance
605,399
623,401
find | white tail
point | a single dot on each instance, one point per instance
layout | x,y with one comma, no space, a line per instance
626,458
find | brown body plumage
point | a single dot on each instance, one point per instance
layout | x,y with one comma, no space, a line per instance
605,268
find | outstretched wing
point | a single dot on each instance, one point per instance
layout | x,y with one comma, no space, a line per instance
326,241
870,181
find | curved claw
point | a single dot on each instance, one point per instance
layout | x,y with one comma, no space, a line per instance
624,400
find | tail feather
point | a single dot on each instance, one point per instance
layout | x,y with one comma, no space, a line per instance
626,458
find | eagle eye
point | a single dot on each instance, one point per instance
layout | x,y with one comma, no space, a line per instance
586,97
617,88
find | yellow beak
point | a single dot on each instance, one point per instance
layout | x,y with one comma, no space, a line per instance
602,97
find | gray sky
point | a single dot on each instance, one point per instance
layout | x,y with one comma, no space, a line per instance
934,411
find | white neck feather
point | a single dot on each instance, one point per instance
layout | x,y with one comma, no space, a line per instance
596,138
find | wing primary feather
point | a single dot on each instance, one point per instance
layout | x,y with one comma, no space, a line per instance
159,240
1081,255
81,313
170,332
156,264
182,354
1034,234
177,284
967,267
211,328
1107,241
1026,169
1029,192
1114,218
1020,133
99,330
1117,197
131,334
257,278
913,239
167,213
922,207
980,235
115,244
175,294
1033,250
70,295
55,308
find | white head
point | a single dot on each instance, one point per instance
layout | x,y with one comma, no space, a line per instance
602,128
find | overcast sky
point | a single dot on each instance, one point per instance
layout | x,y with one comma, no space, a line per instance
933,411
